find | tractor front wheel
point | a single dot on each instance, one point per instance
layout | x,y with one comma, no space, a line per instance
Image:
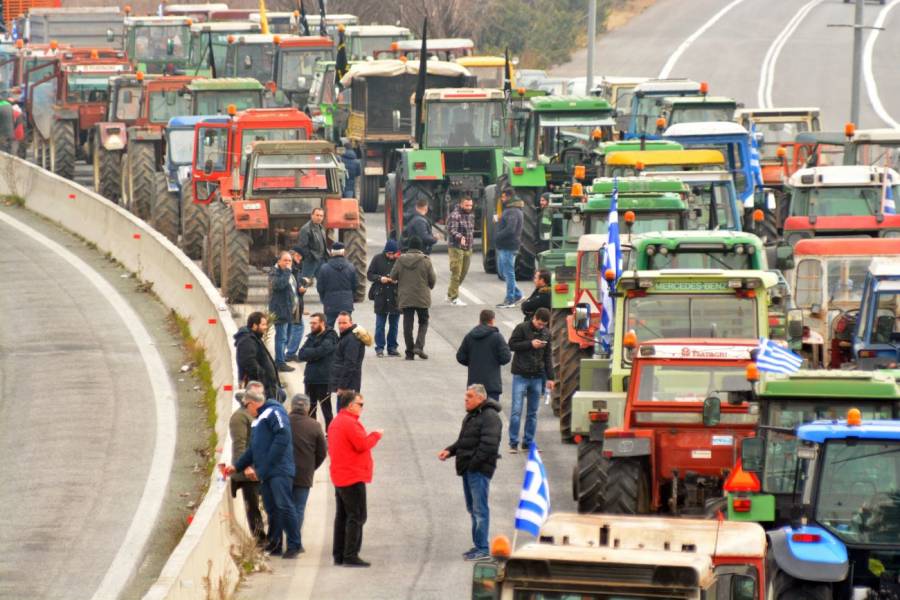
229,255
164,209
558,334
194,222
568,376
141,175
107,171
354,241
627,489
62,148
589,479
368,192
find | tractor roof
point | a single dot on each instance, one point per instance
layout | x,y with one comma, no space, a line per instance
306,41
273,118
333,19
689,240
842,175
261,38
588,242
665,157
226,27
820,431
830,384
157,21
763,114
395,68
224,84
879,136
436,44
294,147
832,138
659,87
706,128
885,266
638,202
464,94
847,247
635,185
699,100
635,145
617,80
569,103
375,31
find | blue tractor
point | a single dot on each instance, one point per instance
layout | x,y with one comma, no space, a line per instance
842,538
876,341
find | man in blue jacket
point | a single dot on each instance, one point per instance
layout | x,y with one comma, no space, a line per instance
336,284
353,171
507,239
270,458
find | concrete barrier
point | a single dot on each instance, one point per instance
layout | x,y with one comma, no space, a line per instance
201,565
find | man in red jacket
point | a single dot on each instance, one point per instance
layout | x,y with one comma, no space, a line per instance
350,450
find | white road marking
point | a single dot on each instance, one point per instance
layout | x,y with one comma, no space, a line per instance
125,562
767,71
508,323
871,84
470,296
673,58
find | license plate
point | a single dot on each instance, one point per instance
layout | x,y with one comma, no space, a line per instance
373,171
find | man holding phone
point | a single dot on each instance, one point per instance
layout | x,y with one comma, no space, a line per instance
531,367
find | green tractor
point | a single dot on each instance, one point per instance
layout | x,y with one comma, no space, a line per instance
158,44
209,45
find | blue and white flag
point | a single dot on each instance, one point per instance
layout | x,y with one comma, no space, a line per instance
888,206
611,259
534,502
773,358
161,10
15,31
754,158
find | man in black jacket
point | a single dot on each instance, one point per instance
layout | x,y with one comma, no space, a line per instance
346,370
336,284
507,239
309,453
383,292
419,226
476,451
532,369
484,351
540,297
318,354
253,358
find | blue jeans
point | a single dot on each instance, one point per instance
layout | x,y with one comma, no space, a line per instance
282,333
522,386
476,487
295,337
282,516
506,267
310,267
300,495
393,322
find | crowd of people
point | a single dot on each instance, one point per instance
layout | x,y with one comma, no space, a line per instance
276,453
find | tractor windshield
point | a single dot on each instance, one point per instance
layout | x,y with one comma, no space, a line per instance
563,130
293,173
284,134
362,47
216,103
837,201
712,258
882,326
161,42
252,60
298,68
165,104
7,73
691,316
200,49
465,125
701,113
181,146
790,413
81,89
128,103
645,114
488,77
881,155
774,134
645,221
844,278
690,383
859,491
714,203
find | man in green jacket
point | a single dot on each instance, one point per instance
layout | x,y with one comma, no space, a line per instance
239,425
415,279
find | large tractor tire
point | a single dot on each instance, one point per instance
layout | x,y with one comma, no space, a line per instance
567,377
785,587
354,241
627,487
62,148
558,335
488,210
527,257
194,222
232,267
107,172
368,192
589,479
164,209
141,175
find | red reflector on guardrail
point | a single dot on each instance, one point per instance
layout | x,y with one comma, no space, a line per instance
189,286
212,321
136,236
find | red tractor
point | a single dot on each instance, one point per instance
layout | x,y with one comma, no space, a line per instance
67,100
679,439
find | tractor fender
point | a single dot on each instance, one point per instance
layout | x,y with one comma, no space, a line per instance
112,136
825,560
341,213
144,134
65,114
251,214
638,443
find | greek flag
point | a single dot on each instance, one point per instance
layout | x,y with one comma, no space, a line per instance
773,358
15,31
534,502
887,205
611,260
754,164
161,9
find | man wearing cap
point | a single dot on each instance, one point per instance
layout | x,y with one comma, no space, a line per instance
415,279
336,283
309,453
383,292
311,243
270,457
239,427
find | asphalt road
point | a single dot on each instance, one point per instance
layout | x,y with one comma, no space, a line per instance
812,65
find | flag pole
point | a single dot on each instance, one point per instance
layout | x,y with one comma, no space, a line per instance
515,538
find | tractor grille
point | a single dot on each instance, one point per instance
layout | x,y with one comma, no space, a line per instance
478,161
574,571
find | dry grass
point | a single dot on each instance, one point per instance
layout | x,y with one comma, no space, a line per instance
625,11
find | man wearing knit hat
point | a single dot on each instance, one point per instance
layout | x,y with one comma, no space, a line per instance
383,292
336,283
309,453
415,279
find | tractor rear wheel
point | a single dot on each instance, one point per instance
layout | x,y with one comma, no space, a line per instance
526,258
194,222
62,148
107,172
627,489
568,377
488,210
354,241
164,209
141,173
785,587
230,253
558,334
589,479
368,192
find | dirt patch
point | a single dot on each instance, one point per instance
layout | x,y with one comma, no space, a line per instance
624,11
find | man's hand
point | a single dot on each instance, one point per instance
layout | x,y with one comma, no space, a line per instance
443,455
229,470
538,344
551,384
385,280
251,474
379,432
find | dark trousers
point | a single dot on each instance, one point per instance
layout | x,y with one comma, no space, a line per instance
408,315
250,492
349,518
318,394
279,500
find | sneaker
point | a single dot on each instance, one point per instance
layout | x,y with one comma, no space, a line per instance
284,368
526,447
421,354
477,555
293,553
513,450
379,353
470,551
393,353
291,358
456,302
506,304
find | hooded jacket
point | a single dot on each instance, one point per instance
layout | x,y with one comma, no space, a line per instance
383,294
350,449
336,284
318,354
254,361
419,226
508,233
271,444
529,361
309,447
477,447
484,351
415,278
346,370
539,298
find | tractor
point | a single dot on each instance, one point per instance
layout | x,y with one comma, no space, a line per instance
67,100
295,67
678,441
780,154
252,224
252,55
173,184
363,41
489,71
209,45
158,44
199,13
646,104
380,118
446,49
697,109
618,91
876,341
329,110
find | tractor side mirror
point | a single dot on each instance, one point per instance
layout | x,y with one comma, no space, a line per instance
110,35
170,47
795,324
712,411
752,454
395,120
743,587
784,257
581,320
